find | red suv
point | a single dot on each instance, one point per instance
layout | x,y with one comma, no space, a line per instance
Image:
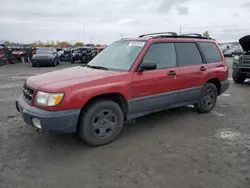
129,79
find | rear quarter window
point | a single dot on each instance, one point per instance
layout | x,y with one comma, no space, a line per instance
211,52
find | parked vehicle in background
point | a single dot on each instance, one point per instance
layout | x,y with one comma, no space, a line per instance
79,54
129,79
233,52
19,55
100,49
8,56
45,57
66,55
83,54
241,63
2,55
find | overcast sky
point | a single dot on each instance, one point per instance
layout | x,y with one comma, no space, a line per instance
106,20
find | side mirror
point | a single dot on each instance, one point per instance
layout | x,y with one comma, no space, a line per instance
147,66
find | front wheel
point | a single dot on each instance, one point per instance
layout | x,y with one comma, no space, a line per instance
54,63
237,78
101,122
207,99
83,59
1,62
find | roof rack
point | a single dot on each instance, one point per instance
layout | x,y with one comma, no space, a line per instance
192,34
173,34
161,34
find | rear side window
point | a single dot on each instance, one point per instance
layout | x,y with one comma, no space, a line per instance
211,52
188,54
163,54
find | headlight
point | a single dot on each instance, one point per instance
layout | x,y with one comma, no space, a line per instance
48,99
236,58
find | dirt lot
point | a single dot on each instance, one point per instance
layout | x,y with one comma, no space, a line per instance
177,148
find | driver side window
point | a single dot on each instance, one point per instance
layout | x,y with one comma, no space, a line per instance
163,54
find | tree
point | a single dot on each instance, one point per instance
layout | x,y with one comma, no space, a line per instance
65,44
206,34
78,44
6,43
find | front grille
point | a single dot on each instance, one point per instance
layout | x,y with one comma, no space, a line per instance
245,70
246,59
28,93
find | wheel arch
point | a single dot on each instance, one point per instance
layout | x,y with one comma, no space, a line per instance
217,83
116,97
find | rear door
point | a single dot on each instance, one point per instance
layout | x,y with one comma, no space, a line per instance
154,90
192,71
216,64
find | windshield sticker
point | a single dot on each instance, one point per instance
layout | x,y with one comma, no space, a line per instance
136,44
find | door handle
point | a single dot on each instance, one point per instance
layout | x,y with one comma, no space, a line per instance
203,69
171,73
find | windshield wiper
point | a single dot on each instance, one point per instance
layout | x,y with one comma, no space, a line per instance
97,67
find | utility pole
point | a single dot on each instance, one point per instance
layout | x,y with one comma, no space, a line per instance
83,34
121,36
180,30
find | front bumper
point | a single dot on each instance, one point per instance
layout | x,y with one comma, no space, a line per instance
61,121
243,69
42,62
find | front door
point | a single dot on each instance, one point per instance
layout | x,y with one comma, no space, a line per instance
155,89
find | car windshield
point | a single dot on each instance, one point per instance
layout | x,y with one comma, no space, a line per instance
119,56
44,51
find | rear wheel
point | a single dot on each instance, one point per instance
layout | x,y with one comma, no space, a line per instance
207,99
237,78
101,122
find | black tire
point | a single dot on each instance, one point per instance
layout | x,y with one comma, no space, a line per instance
207,99
33,65
58,62
83,59
94,116
237,78
54,63
1,62
72,60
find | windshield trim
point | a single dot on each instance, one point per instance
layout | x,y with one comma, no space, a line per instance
146,42
133,63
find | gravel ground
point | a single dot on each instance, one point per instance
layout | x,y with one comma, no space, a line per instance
177,148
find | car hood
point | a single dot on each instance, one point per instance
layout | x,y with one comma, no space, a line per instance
245,43
18,52
65,78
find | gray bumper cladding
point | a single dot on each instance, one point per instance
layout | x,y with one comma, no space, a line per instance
224,86
61,121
